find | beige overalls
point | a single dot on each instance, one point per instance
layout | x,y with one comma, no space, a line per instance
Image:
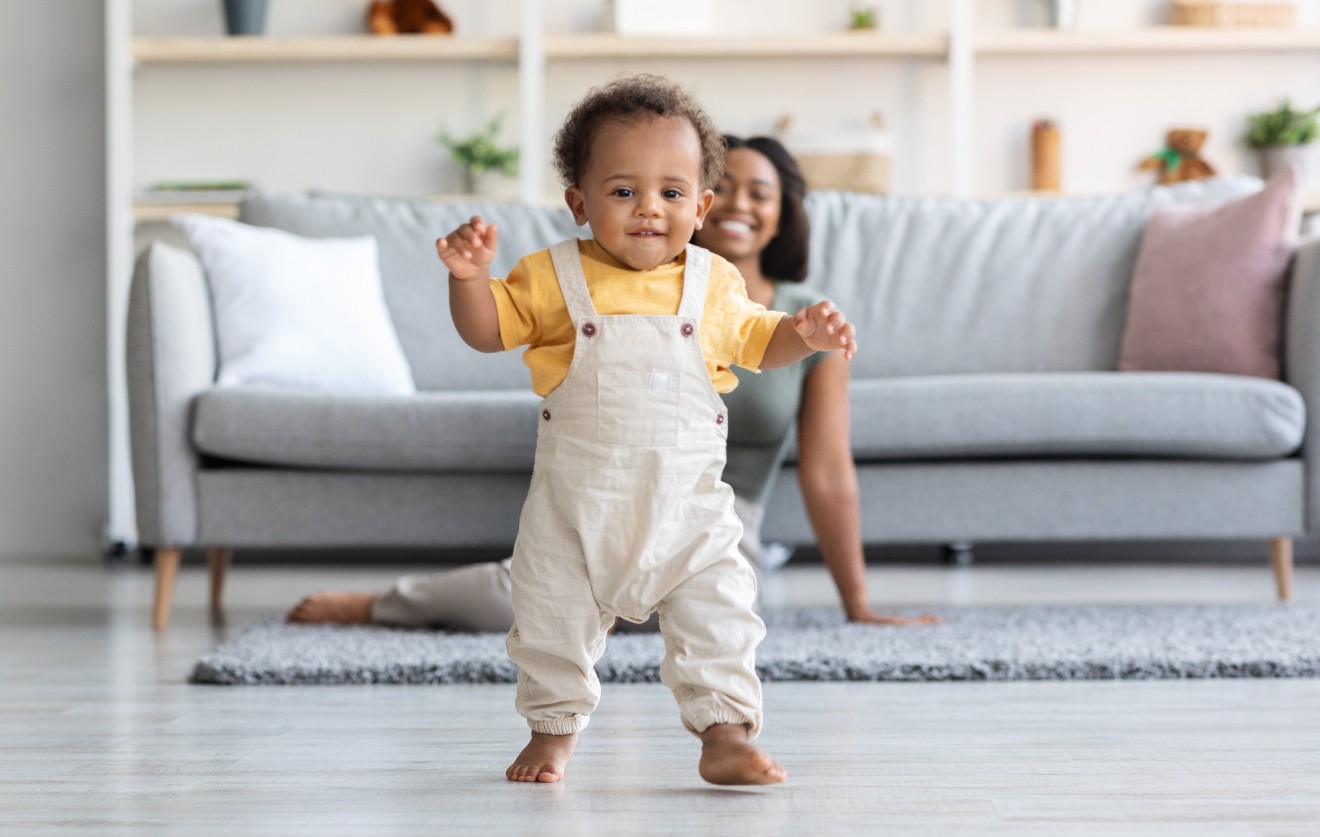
627,515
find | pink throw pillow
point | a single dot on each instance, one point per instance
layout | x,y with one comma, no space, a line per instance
1208,287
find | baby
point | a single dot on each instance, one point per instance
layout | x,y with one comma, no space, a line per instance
630,336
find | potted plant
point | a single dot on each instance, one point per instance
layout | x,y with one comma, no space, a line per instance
1283,136
863,17
481,156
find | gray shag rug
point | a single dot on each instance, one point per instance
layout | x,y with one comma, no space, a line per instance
982,643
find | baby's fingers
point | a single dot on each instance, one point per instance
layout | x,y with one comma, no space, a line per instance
811,320
848,340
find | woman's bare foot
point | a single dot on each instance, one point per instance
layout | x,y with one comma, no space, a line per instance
543,759
337,608
728,757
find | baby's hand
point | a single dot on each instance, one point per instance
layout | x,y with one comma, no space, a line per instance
469,250
824,329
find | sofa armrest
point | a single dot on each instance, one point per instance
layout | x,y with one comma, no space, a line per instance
1301,362
171,356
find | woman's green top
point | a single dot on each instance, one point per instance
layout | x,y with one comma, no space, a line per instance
763,410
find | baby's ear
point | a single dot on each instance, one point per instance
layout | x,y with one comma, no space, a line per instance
704,202
577,204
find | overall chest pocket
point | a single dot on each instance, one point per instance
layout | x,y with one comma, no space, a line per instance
637,408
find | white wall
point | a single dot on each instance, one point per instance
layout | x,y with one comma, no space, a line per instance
52,251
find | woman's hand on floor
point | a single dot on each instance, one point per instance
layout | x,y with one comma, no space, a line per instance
866,616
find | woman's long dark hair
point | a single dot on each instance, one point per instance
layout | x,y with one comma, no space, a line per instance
785,257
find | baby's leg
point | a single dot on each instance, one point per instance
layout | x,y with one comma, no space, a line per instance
555,642
543,759
711,635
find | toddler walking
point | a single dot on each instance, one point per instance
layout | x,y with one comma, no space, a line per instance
630,336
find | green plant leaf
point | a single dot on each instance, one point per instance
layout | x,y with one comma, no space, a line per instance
481,151
1282,126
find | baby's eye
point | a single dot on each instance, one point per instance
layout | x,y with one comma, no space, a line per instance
622,192
672,194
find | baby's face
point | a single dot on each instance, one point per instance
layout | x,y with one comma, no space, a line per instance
641,192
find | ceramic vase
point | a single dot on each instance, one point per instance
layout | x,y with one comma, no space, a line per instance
245,17
1275,158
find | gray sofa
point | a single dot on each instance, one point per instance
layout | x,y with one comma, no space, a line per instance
985,398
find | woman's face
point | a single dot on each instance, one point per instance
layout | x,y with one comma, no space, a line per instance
745,215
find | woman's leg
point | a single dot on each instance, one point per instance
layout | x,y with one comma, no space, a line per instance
474,597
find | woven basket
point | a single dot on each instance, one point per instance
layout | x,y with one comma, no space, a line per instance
1198,13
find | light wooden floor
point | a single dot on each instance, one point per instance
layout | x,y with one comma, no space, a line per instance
100,735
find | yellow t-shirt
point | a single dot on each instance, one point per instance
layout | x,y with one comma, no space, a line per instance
532,312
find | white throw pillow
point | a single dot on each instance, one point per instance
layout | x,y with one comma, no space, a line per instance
299,313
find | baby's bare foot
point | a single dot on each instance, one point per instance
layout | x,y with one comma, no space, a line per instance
728,757
543,759
337,608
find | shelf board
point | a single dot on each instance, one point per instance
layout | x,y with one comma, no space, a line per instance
879,44
148,211
1146,39
608,45
259,48
152,212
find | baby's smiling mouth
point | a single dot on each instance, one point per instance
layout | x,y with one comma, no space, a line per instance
648,233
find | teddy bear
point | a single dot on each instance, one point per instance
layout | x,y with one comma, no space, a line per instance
1180,159
393,17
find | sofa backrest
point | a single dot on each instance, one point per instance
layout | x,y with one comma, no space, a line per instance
934,285
942,285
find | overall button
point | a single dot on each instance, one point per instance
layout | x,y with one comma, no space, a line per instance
589,329
545,414
718,419
686,329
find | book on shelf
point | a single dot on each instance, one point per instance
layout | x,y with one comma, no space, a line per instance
196,191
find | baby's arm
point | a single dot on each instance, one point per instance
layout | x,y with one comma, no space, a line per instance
468,252
816,328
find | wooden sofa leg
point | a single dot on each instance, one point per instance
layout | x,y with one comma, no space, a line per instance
167,570
217,559
1281,561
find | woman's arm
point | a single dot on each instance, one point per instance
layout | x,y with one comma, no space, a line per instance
828,478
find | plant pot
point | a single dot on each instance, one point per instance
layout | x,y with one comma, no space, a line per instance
1275,158
488,184
245,17
1062,13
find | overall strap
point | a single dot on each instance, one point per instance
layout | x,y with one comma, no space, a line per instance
572,281
696,271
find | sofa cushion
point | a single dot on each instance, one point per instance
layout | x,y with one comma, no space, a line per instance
416,289
427,432
1208,287
296,312
1134,414
946,286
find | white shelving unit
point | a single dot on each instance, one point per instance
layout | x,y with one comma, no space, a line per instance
959,47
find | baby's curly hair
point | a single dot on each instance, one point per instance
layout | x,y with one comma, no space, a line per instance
642,96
